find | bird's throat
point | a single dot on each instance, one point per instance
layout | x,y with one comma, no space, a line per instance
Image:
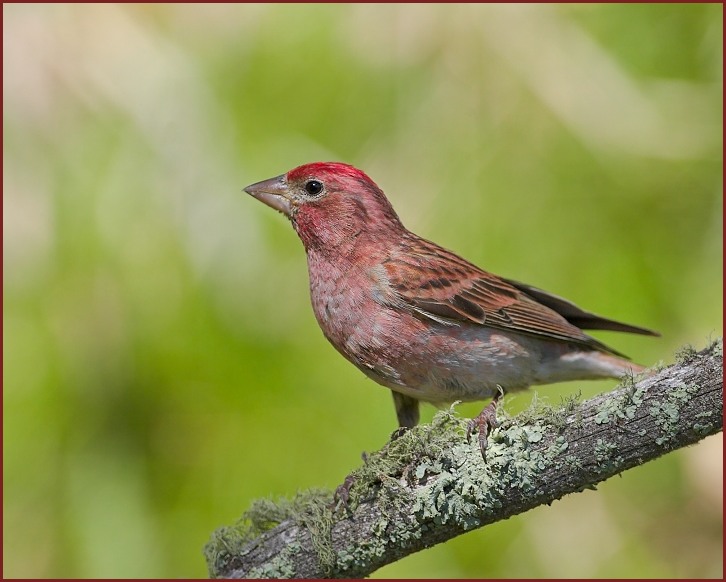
326,229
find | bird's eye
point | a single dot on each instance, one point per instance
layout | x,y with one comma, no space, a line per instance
313,187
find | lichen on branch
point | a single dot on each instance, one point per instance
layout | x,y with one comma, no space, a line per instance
430,485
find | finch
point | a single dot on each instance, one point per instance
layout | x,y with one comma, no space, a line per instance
419,319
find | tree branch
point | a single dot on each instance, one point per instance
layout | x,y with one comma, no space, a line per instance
431,485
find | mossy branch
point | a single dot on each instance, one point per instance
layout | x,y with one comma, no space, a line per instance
430,485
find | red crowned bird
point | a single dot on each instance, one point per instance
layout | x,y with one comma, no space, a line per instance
418,318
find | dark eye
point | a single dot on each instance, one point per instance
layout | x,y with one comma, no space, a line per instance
313,187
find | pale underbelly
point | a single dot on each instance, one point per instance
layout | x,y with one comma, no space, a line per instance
472,362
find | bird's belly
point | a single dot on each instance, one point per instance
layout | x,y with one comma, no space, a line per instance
467,368
434,362
439,363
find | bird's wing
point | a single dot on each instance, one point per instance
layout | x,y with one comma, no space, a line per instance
441,286
575,315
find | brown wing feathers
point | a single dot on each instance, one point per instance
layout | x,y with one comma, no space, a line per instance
576,316
446,286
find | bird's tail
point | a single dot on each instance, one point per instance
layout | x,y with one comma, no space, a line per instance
615,366
591,365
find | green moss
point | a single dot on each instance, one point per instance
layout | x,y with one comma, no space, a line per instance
716,347
466,490
443,484
685,354
225,544
431,476
309,509
413,458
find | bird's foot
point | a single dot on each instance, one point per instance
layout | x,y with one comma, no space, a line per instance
342,494
485,422
399,432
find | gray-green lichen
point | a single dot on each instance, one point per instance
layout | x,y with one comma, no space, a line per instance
716,347
704,422
623,407
685,354
309,509
667,414
603,450
542,411
431,477
452,485
281,566
419,470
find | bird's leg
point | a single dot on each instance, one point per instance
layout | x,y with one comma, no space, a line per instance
399,432
485,422
342,494
407,413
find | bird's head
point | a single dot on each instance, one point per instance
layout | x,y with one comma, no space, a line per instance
329,204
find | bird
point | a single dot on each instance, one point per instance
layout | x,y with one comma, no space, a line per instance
419,319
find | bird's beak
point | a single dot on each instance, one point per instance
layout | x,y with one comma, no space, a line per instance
272,192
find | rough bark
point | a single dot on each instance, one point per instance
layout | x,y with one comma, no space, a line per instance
431,485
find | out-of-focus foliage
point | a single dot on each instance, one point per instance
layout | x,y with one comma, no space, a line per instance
162,366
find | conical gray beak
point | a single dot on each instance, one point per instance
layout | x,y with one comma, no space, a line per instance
272,192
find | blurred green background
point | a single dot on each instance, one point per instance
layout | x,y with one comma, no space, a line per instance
162,365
